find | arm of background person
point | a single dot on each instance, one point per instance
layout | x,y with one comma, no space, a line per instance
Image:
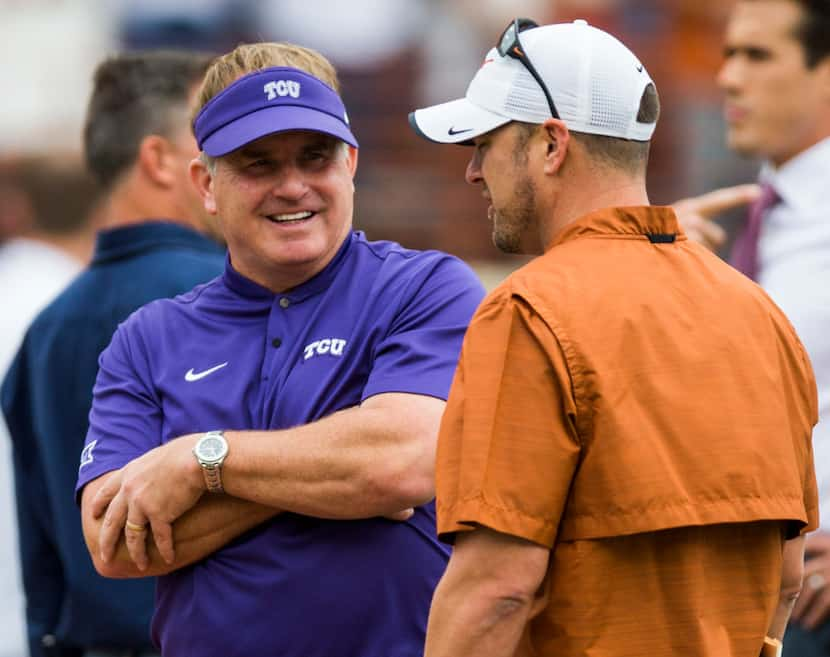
211,524
487,595
40,564
372,460
697,214
41,568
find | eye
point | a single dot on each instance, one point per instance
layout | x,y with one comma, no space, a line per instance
758,54
480,146
319,153
259,165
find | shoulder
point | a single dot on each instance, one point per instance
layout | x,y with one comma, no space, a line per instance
164,312
392,261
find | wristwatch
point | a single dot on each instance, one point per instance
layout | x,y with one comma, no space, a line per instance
210,452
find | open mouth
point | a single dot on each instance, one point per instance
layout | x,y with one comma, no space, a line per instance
290,218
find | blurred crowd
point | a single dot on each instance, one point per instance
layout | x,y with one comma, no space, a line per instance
393,56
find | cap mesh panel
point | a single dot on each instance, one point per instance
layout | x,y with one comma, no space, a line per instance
526,98
606,109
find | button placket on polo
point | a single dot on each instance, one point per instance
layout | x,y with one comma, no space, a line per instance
276,337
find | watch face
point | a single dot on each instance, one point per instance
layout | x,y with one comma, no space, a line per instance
212,448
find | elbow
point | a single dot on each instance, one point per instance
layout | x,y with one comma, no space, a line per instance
402,486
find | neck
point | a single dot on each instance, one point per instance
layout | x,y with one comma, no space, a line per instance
130,204
575,200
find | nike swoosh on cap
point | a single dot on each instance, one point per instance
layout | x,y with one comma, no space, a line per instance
195,376
452,131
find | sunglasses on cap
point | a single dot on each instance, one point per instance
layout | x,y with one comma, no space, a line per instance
510,45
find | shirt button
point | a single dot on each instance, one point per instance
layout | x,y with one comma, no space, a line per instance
285,302
276,342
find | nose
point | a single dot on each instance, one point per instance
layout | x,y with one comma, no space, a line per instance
290,185
728,75
473,173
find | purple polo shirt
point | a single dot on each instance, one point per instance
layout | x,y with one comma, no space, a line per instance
231,354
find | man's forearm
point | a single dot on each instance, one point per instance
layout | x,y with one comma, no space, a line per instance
472,623
207,527
372,460
486,596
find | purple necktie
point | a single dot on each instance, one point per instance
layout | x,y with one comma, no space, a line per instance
744,255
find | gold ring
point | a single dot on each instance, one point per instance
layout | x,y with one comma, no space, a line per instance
132,527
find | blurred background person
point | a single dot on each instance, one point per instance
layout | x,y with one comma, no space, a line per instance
45,237
138,146
776,79
394,55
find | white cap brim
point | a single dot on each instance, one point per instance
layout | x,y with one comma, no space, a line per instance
456,122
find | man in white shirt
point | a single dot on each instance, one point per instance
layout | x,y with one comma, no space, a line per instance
776,76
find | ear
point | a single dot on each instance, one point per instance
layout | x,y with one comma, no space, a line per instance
351,160
557,141
156,160
202,179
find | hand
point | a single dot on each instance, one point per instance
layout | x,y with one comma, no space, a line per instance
400,516
696,215
154,489
813,605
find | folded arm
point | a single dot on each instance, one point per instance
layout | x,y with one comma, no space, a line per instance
214,521
375,459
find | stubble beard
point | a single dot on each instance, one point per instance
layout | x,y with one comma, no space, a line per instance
515,221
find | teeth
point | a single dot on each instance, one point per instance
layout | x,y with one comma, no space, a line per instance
290,217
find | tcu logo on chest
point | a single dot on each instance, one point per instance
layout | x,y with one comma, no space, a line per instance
281,88
333,346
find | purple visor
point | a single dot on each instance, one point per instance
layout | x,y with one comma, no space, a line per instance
272,100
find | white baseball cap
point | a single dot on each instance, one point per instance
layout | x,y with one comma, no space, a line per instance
595,84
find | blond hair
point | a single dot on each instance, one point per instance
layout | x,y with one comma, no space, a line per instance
249,57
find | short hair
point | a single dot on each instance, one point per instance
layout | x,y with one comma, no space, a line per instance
625,154
136,95
249,57
58,190
813,30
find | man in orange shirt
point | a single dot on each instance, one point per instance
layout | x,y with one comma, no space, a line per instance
625,462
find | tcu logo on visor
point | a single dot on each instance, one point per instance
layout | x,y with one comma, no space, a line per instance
333,346
282,88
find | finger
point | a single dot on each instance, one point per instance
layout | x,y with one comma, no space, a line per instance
105,494
809,590
696,235
135,534
163,538
406,514
713,203
112,526
818,611
714,236
802,604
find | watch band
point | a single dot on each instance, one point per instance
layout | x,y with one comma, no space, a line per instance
213,478
212,463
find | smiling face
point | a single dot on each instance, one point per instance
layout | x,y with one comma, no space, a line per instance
285,202
776,106
500,165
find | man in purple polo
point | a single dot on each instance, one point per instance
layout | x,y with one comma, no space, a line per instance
265,443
